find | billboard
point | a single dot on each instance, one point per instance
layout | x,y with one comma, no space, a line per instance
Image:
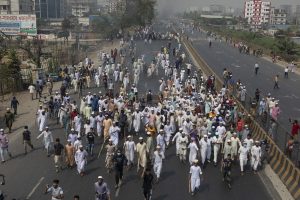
18,25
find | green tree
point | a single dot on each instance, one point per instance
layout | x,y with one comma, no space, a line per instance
288,49
33,48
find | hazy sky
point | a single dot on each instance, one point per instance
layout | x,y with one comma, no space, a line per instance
180,5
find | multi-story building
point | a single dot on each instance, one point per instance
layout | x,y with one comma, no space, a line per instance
216,9
114,6
50,9
288,10
278,16
16,7
81,8
257,12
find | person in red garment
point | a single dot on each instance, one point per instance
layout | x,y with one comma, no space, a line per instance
295,129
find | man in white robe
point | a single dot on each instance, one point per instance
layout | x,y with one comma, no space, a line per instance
129,148
81,160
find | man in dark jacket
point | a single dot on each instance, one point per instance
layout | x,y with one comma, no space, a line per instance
27,139
14,104
119,160
122,123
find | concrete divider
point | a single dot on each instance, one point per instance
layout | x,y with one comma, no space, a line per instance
279,162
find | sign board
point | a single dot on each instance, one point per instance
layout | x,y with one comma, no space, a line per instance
18,24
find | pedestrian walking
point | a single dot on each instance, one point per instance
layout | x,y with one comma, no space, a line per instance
276,82
129,149
183,142
255,156
256,68
47,140
31,89
195,172
14,105
119,160
158,158
193,151
27,139
70,153
4,146
91,141
110,152
101,189
81,160
141,149
55,190
243,157
286,72
148,181
58,151
9,118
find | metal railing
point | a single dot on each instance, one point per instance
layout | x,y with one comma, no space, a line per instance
279,134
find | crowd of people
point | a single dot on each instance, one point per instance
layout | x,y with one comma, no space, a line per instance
187,110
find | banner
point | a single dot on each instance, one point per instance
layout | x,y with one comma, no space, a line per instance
18,25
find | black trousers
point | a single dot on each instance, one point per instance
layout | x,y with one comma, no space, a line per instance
118,175
147,194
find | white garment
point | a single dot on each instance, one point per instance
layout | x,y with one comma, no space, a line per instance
158,157
255,156
114,134
81,160
195,172
243,151
129,147
193,152
161,142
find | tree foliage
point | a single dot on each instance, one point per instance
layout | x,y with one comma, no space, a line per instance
288,49
135,13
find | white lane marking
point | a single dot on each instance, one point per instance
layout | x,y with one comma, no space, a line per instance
234,65
35,187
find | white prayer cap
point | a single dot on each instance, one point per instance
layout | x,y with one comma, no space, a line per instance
158,147
100,177
256,141
1,130
72,129
148,133
80,146
228,140
205,136
46,127
140,138
195,161
129,136
110,140
180,129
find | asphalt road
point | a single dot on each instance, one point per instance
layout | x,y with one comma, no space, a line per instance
222,55
28,175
